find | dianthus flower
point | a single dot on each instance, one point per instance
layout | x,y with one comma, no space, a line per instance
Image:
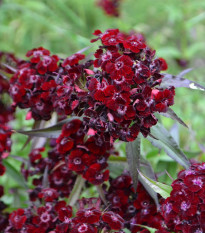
56,216
184,210
136,209
60,178
110,7
124,92
86,157
46,83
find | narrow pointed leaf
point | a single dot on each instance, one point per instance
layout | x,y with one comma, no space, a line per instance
168,144
36,125
178,81
45,182
146,168
50,132
84,49
133,159
163,189
174,131
101,193
19,158
74,195
14,174
171,114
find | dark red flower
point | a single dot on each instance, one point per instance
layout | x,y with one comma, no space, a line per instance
134,44
83,228
63,210
89,215
17,219
95,175
72,60
77,160
114,221
48,194
110,7
122,66
182,210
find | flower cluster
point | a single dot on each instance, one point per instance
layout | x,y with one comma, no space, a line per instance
59,177
85,156
110,7
119,96
135,208
56,216
114,96
184,210
45,84
124,92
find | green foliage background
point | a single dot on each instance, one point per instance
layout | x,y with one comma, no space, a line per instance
175,28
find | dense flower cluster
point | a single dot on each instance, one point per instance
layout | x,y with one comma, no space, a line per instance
135,208
114,96
59,177
123,91
56,216
118,97
184,210
110,7
45,84
85,156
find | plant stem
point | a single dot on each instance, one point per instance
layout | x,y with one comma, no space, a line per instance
75,193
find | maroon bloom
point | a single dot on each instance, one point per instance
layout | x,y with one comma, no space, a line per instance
182,211
114,221
83,228
134,44
89,215
48,194
17,219
122,66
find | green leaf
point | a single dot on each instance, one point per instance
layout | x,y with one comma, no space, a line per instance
101,193
150,229
74,195
178,81
171,114
168,144
50,132
147,169
174,131
163,189
117,165
14,174
133,159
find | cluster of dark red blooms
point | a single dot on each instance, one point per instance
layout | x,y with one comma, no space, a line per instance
56,216
135,208
118,97
184,210
126,209
112,97
110,7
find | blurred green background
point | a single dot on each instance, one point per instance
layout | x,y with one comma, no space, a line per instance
175,28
